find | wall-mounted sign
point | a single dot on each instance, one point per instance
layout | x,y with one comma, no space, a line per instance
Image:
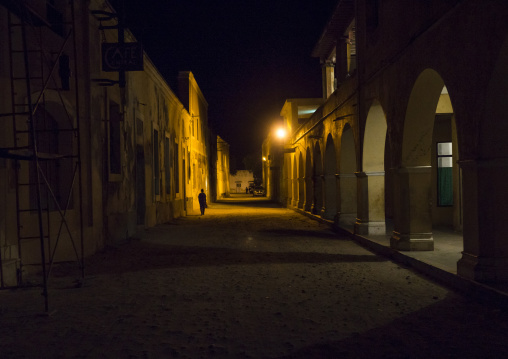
117,57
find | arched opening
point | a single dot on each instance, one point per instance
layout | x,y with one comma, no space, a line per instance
428,181
330,185
301,181
347,178
371,212
446,199
317,205
308,181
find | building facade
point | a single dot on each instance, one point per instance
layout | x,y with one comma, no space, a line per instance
88,156
196,137
240,181
222,168
410,140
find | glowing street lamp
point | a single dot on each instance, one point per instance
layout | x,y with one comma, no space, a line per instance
280,133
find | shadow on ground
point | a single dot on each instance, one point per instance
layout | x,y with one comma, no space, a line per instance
265,203
302,233
453,327
140,256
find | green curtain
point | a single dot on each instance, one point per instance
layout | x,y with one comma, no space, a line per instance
445,186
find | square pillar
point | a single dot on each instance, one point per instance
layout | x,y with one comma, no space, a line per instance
412,209
330,198
301,192
294,197
307,204
485,208
371,203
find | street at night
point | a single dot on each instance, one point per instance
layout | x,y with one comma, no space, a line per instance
268,179
246,280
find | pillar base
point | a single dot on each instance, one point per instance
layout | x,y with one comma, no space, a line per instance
483,269
346,219
412,241
372,228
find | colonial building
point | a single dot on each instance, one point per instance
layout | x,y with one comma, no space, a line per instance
410,141
89,154
196,137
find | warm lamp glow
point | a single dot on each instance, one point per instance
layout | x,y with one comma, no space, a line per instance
280,133
264,158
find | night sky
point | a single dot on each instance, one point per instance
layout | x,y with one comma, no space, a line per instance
247,56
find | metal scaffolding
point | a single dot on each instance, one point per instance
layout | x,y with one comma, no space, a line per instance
45,150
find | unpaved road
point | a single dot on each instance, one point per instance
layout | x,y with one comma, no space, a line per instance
247,281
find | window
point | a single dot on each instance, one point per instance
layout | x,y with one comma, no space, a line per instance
351,48
156,168
444,174
167,169
57,174
114,138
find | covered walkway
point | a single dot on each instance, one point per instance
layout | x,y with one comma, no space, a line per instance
440,264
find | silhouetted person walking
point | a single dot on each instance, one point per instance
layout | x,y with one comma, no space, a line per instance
202,201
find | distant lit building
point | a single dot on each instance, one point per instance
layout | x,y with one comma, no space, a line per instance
241,181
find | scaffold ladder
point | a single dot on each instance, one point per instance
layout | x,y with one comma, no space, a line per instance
27,72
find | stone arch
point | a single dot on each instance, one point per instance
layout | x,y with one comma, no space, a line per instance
330,181
419,120
374,139
429,127
371,211
348,195
317,173
308,181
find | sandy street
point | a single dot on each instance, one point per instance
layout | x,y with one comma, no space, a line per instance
247,281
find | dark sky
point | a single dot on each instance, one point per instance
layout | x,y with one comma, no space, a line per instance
247,56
